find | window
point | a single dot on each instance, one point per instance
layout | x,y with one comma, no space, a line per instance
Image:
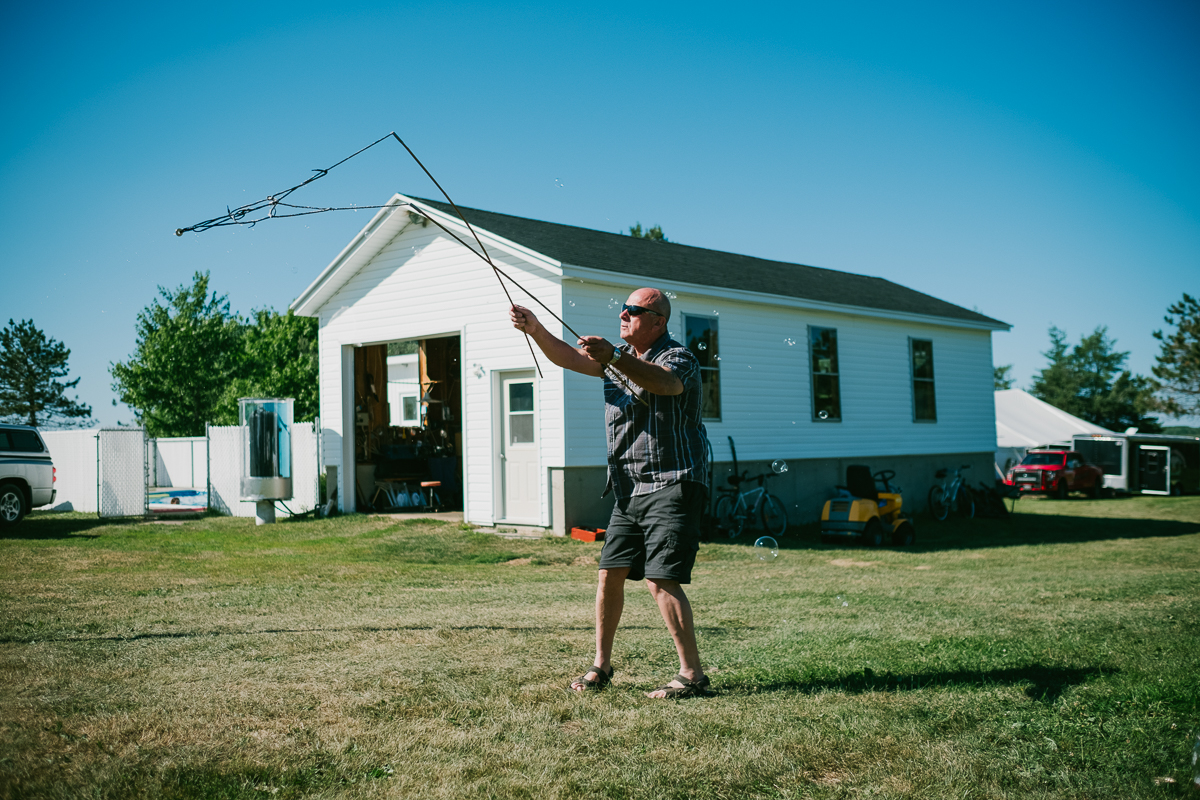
15,440
520,413
701,336
924,402
827,398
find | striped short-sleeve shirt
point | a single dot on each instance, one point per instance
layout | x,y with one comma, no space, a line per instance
650,448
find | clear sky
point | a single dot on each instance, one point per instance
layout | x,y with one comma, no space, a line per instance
1038,162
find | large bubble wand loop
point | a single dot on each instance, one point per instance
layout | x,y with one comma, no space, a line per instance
272,203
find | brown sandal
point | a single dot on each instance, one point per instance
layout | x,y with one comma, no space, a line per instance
601,680
689,689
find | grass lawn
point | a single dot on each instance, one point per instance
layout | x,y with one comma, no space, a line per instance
1056,654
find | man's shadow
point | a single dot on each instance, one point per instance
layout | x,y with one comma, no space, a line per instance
1043,683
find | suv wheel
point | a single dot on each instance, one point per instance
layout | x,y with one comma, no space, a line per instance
12,504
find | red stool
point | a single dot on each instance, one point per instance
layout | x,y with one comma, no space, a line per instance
431,485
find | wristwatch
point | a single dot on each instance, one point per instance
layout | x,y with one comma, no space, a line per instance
616,356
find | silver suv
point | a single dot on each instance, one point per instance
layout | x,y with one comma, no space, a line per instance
27,474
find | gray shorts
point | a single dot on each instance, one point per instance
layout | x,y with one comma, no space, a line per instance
656,535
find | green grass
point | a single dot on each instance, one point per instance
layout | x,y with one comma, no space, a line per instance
1052,655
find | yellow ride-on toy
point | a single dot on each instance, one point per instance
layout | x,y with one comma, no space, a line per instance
862,512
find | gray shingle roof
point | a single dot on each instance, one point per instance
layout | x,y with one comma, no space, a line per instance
614,252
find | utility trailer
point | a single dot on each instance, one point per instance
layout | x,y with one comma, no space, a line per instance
1144,463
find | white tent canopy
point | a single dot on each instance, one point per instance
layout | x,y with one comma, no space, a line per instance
1024,422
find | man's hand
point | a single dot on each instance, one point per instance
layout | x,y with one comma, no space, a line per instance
524,320
597,348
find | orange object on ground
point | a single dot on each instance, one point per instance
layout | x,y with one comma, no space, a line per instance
588,534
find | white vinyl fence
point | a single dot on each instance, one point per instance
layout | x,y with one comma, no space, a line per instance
110,471
179,461
225,471
76,461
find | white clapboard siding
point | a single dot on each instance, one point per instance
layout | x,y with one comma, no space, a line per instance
766,394
424,284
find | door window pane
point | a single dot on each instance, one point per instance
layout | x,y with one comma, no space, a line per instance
520,397
520,429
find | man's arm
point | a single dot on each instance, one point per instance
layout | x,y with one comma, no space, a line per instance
652,377
558,351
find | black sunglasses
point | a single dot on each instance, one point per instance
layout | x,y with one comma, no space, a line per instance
637,311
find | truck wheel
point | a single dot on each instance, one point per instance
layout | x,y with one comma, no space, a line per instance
12,504
1060,493
1095,491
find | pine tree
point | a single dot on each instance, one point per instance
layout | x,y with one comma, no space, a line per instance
30,366
1177,366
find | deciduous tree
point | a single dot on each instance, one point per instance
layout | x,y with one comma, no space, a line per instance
31,365
189,348
279,360
654,234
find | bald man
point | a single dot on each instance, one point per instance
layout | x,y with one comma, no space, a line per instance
657,469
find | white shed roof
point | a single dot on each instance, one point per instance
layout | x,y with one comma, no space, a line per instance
1023,421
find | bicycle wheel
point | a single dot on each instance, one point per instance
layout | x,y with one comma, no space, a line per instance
964,502
937,503
726,522
774,517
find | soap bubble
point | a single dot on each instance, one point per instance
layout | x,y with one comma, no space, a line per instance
1196,762
823,414
701,346
779,466
572,302
790,341
767,548
842,601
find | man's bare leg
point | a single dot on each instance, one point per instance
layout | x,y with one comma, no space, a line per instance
610,602
677,613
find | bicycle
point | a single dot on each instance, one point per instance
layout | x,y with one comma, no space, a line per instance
735,507
952,495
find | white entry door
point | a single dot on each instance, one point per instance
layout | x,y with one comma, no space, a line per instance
519,448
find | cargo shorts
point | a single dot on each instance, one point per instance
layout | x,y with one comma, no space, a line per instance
656,535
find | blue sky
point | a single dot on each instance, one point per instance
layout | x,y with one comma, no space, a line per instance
1034,161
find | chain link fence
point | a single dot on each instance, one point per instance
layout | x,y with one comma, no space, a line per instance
121,454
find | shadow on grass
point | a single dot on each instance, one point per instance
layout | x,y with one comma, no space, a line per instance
1042,683
47,525
971,534
364,629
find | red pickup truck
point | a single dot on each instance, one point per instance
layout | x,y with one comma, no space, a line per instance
1056,472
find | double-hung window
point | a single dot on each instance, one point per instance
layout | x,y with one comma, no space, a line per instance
924,400
826,393
701,336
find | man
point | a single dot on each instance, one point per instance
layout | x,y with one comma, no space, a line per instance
657,469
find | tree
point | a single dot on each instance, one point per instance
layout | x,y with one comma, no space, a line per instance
1001,377
279,359
1177,365
189,349
30,366
654,234
1089,381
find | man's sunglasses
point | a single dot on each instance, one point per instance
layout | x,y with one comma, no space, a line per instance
637,311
